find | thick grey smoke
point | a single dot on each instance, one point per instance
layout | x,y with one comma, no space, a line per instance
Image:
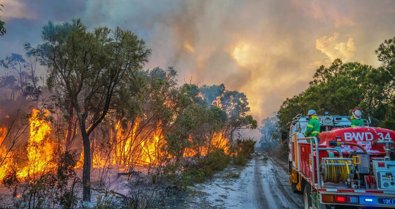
268,49
270,132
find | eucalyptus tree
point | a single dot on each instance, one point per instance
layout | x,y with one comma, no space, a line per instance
86,70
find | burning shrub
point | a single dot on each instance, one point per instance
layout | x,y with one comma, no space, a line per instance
243,151
38,193
49,190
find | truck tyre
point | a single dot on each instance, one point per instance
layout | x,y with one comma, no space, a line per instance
307,196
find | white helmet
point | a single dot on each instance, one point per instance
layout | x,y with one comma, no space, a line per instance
357,113
311,112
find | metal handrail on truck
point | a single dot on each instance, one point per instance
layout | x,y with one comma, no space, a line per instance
310,140
314,141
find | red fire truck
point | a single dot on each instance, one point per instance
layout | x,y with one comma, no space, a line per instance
345,167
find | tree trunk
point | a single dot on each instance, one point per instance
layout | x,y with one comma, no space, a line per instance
86,173
70,128
232,132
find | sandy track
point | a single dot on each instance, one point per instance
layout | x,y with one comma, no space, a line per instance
262,184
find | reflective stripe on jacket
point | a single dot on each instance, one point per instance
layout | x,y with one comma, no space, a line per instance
313,127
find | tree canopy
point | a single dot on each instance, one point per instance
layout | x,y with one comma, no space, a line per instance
341,87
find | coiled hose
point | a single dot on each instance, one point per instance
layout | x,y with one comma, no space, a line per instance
336,170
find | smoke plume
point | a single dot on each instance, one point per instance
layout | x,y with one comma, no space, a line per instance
268,49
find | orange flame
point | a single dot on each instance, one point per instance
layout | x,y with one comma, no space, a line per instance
5,160
138,143
40,148
133,145
218,141
3,134
152,148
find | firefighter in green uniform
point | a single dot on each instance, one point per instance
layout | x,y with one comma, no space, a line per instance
356,118
313,127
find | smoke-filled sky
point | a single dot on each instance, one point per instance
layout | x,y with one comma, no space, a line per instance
268,49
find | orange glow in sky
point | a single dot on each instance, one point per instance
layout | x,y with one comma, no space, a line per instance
268,49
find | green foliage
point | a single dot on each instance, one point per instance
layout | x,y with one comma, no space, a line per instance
385,100
194,119
89,70
386,53
204,168
343,86
200,112
243,151
217,160
337,89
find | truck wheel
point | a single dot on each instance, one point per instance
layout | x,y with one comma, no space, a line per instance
307,196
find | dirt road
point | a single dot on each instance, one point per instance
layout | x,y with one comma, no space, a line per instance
262,183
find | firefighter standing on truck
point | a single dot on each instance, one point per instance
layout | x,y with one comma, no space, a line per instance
313,127
356,118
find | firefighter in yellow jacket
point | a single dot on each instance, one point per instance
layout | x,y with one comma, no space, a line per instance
313,127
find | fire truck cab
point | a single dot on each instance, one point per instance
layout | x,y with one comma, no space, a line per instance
344,166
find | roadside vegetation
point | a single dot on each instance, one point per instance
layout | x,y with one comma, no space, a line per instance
340,87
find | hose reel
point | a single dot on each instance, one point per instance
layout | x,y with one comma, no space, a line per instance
336,170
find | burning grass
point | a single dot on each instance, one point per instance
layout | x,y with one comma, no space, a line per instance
129,146
44,172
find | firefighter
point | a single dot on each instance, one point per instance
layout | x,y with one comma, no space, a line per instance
313,127
356,118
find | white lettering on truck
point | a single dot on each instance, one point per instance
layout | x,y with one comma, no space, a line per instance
359,136
387,136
